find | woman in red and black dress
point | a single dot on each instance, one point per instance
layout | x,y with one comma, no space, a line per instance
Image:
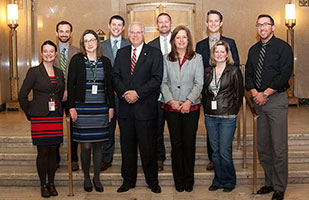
45,113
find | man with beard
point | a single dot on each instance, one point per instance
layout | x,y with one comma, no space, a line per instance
214,23
64,31
164,25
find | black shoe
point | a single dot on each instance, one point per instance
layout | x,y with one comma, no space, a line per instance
228,189
75,166
88,188
52,190
98,188
155,189
45,191
213,188
278,195
124,188
160,165
180,188
265,190
188,188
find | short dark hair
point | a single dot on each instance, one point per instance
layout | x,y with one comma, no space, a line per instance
48,42
214,12
164,14
189,51
64,23
117,17
82,43
268,16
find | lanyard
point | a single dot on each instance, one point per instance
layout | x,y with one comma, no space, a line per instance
94,72
217,83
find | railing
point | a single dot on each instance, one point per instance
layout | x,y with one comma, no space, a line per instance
247,101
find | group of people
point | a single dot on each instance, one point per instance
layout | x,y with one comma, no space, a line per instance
142,86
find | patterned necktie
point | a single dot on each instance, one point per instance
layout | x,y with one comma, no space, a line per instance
258,72
115,48
165,46
133,61
63,60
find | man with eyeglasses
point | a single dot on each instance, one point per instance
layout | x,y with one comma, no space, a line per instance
110,47
136,77
214,23
268,70
164,26
64,31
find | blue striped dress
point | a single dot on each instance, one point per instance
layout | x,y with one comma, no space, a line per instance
92,115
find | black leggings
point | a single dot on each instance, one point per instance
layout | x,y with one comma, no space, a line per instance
46,163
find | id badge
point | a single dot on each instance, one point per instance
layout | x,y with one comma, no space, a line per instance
94,89
214,105
51,106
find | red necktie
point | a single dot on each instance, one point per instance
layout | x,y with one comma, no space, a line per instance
133,61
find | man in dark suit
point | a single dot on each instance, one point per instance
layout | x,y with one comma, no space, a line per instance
214,23
136,77
164,26
110,47
64,31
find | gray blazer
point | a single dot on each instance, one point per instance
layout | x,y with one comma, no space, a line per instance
108,51
184,84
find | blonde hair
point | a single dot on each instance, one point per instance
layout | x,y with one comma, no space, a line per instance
229,59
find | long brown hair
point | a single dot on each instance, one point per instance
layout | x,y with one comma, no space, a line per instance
189,51
82,43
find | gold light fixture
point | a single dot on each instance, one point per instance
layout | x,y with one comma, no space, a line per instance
290,22
12,17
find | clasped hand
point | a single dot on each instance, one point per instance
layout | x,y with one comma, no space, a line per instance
182,107
130,96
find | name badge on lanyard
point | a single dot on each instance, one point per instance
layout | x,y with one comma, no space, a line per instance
214,105
94,89
51,105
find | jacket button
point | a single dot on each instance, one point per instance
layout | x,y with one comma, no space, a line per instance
178,87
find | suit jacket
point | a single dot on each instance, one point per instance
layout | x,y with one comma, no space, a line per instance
155,43
72,51
202,48
38,81
146,81
183,84
108,50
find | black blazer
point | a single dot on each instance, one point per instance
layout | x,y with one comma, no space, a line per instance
77,81
146,81
38,81
155,43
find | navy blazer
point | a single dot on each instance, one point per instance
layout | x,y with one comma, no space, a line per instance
108,50
38,81
202,48
146,81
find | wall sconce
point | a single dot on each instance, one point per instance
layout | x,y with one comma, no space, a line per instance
12,17
290,22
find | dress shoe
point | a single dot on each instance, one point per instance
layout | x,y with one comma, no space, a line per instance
105,166
88,188
180,188
124,188
265,190
160,165
45,191
210,166
278,195
213,188
228,189
52,190
98,188
155,189
188,188
75,166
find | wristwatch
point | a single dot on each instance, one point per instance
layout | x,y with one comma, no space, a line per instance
265,95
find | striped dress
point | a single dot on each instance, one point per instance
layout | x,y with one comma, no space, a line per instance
92,115
47,130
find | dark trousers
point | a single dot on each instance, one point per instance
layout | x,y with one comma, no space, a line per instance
160,131
138,133
74,145
273,140
182,128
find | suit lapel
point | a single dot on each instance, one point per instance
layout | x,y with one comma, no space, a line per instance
45,75
109,48
141,59
207,48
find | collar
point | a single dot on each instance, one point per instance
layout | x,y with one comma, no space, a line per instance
167,37
113,39
139,48
61,47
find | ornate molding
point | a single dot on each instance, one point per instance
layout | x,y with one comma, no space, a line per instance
304,3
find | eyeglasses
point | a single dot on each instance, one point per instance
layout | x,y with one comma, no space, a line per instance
137,33
263,25
90,41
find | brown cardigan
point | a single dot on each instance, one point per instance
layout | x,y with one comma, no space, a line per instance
38,81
